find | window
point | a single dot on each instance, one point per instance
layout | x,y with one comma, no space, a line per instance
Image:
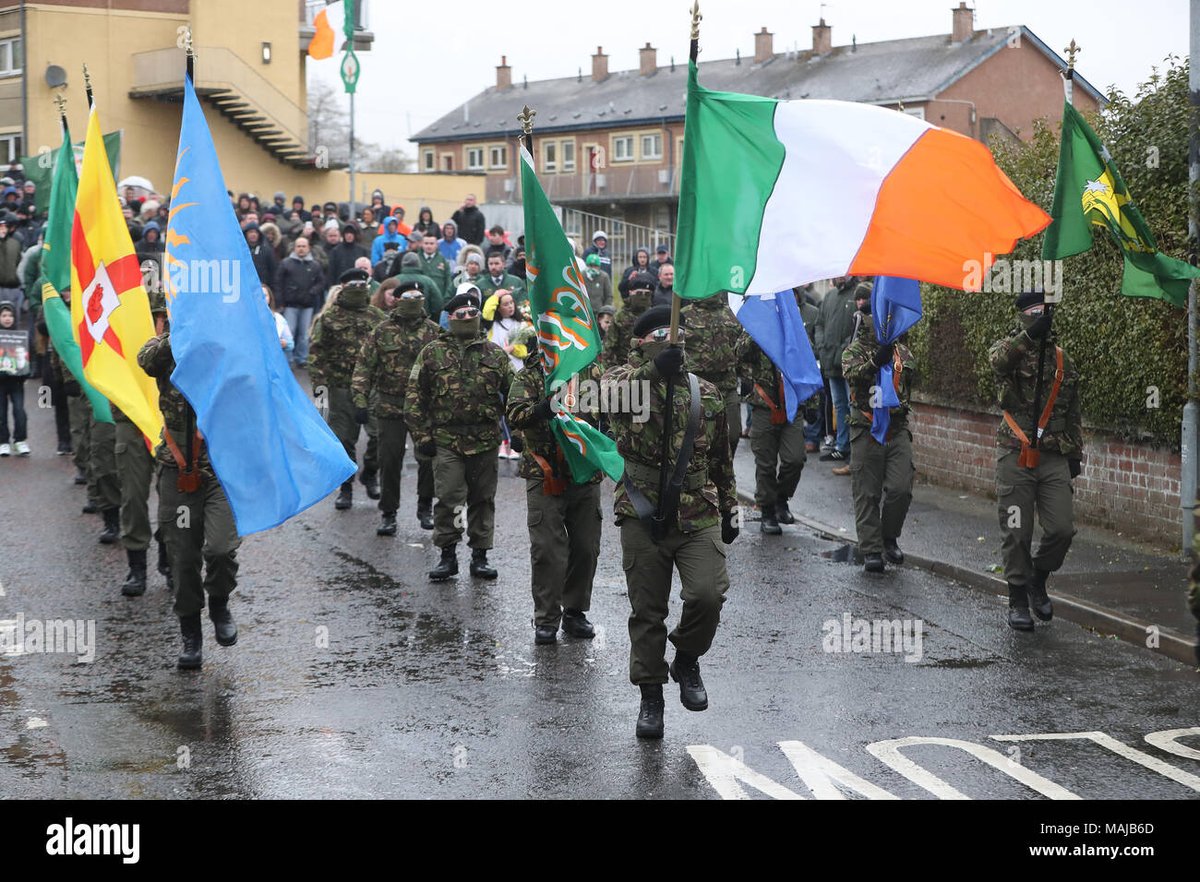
427,158
568,156
498,157
623,148
10,56
550,157
918,112
652,146
447,162
10,148
475,158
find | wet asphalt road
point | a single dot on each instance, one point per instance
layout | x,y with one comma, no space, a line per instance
356,677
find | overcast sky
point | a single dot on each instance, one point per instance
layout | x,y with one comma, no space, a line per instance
423,65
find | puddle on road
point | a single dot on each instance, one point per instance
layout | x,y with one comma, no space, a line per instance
844,554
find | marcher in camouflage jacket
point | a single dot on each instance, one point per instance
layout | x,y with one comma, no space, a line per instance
640,443
156,360
1014,361
337,337
712,337
386,359
862,375
455,394
527,392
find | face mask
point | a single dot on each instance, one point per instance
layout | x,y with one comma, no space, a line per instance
410,308
639,301
465,329
653,349
1027,320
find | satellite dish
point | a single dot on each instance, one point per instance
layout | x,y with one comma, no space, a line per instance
55,76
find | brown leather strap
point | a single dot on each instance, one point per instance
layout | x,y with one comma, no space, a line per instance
1047,411
180,462
552,484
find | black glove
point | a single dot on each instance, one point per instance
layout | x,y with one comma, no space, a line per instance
1076,466
361,416
729,532
517,443
544,410
669,362
884,355
1039,328
427,448
747,386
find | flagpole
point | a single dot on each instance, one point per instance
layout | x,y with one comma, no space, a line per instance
87,84
673,340
1189,441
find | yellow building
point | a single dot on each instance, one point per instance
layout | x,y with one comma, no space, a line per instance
250,72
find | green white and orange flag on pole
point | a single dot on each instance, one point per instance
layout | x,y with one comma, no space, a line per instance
566,328
110,312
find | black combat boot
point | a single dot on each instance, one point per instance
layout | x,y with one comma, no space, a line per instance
345,498
576,624
388,526
222,619
891,550
650,717
90,507
1038,598
193,639
112,526
425,512
873,563
685,671
768,524
783,514
164,564
1018,609
479,565
80,478
447,566
544,635
135,581
370,480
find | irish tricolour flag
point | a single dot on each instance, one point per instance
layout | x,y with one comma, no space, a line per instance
777,194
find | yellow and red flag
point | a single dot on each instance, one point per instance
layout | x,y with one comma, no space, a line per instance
110,312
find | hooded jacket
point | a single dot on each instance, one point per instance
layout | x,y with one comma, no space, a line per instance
263,254
343,255
471,224
451,247
391,234
429,227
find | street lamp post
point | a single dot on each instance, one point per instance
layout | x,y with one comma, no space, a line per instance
350,72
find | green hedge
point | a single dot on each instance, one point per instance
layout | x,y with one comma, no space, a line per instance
1121,345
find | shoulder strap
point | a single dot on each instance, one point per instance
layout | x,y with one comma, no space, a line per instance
686,449
1048,410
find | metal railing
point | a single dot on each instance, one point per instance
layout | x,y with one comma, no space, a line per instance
623,238
614,182
217,67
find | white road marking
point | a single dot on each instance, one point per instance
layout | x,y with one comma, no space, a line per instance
823,776
1187,779
1168,738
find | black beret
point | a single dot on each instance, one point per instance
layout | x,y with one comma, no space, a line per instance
354,275
458,301
1030,298
653,318
408,285
641,280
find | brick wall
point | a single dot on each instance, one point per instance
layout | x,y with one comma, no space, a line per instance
1132,488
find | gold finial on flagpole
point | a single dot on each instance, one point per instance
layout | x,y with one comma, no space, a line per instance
1072,51
696,17
525,118
61,103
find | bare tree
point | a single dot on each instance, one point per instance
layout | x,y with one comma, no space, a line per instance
329,122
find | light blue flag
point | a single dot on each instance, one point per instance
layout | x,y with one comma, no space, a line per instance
774,322
269,447
895,307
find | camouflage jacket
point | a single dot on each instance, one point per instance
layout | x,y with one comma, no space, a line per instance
755,366
712,336
156,360
709,488
455,394
862,375
527,392
435,296
1014,361
617,340
385,361
337,337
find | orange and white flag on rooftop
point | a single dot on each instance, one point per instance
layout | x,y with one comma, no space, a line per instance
110,312
321,45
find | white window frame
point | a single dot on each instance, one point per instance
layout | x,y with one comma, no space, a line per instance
630,155
10,150
550,157
7,69
473,151
429,160
568,165
503,164
918,112
642,144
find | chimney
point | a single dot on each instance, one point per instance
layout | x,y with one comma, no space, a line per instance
764,48
599,66
964,23
822,38
648,57
503,75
